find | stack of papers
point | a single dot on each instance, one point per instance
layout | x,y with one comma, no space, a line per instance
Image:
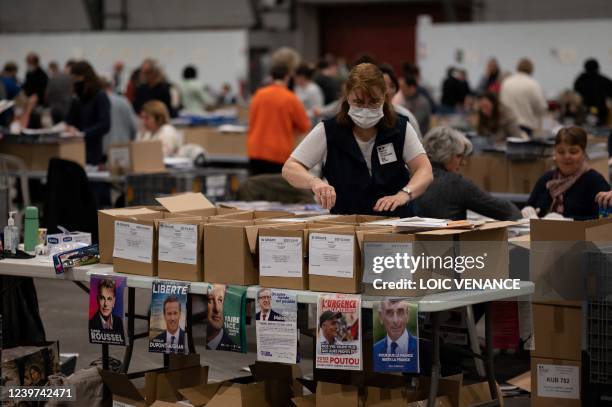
417,223
232,128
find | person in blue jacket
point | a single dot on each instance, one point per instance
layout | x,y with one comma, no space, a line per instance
372,159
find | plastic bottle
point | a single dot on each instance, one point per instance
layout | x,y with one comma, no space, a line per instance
30,229
11,235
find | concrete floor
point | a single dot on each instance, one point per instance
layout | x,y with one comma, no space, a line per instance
63,308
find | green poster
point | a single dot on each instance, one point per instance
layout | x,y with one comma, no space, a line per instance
226,318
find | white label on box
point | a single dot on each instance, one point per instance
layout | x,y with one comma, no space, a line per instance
331,255
381,250
280,256
117,403
562,382
119,157
215,185
133,241
178,243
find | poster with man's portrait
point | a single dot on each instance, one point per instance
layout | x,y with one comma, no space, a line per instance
106,309
396,342
168,320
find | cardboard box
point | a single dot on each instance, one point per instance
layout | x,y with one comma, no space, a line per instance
200,395
335,395
555,383
106,227
160,385
144,157
215,142
487,170
282,250
281,384
557,256
557,331
334,260
189,264
36,156
349,219
137,251
240,395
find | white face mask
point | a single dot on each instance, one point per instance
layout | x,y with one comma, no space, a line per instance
365,117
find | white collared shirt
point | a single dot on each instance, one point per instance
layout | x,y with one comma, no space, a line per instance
215,342
107,325
402,343
169,337
264,316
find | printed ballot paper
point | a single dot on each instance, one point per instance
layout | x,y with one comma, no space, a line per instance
276,324
338,332
280,256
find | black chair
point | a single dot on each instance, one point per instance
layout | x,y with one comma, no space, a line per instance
70,200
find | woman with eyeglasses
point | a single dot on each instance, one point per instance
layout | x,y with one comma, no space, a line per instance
372,160
450,195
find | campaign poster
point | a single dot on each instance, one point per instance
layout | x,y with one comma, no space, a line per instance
338,332
226,318
168,320
396,343
106,309
35,369
276,326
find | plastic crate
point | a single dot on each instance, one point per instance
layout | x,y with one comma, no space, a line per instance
217,185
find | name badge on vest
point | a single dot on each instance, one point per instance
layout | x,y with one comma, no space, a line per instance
386,154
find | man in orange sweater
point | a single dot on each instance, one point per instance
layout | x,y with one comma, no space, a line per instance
276,118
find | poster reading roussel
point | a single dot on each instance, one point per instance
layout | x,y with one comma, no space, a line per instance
226,319
168,320
106,309
338,332
276,324
396,343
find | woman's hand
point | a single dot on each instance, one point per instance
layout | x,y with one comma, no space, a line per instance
529,212
604,199
391,202
325,194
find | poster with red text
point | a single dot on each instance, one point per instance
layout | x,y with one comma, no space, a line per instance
339,332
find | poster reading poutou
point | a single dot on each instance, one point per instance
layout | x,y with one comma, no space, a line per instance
226,318
276,324
338,332
168,320
396,343
106,309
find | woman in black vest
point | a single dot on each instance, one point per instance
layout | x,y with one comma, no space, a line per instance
373,161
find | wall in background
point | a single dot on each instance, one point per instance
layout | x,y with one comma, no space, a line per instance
220,55
530,10
557,48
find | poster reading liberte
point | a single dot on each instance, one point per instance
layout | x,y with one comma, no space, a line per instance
338,332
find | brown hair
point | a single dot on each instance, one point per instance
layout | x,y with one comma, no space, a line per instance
573,135
525,65
366,77
158,111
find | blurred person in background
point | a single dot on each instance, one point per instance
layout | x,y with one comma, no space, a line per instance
594,88
307,91
132,85
156,126
124,123
413,71
152,86
524,97
392,88
450,195
90,110
571,109
117,76
8,80
410,98
491,80
569,190
226,96
455,89
276,119
327,79
36,78
193,96
59,91
495,120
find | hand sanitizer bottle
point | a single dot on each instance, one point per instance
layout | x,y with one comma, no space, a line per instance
11,235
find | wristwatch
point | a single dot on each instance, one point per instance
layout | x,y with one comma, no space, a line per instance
408,191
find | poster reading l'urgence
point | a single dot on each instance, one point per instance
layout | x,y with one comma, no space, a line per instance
396,343
226,318
276,324
168,320
106,309
338,332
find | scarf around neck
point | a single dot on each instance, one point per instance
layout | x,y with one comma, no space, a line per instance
559,184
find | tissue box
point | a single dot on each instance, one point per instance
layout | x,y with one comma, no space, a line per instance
70,237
